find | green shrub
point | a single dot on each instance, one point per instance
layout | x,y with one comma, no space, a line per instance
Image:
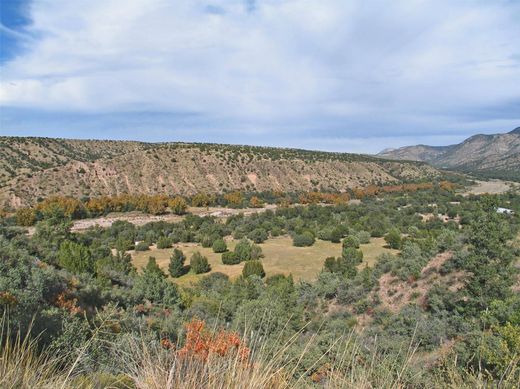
230,258
258,235
219,246
243,250
164,243
351,253
393,238
336,235
207,241
142,246
303,240
124,244
253,268
199,263
256,252
75,258
363,237
351,241
176,267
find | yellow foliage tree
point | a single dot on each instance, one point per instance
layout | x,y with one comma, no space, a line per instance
25,217
234,199
178,205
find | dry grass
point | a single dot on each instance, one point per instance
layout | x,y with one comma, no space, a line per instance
280,257
148,365
21,367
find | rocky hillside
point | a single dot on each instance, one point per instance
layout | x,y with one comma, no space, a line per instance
33,168
495,155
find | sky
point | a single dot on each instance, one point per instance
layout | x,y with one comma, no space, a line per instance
353,76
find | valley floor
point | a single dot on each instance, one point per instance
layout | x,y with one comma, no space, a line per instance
490,187
281,257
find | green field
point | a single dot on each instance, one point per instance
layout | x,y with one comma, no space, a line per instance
280,257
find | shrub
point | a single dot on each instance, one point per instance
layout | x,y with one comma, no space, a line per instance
255,202
243,250
75,258
253,268
202,200
142,246
124,244
256,252
363,237
330,265
335,235
276,231
353,254
207,241
332,234
199,263
178,205
164,242
351,241
446,240
258,235
219,246
25,217
230,258
393,238
325,234
303,240
176,266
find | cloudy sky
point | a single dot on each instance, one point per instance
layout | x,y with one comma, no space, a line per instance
336,75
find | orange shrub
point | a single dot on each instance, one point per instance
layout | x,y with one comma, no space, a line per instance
202,344
69,206
255,202
62,301
234,198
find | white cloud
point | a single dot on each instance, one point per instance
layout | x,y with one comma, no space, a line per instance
283,64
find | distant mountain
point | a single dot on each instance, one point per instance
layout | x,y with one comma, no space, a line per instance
34,168
496,155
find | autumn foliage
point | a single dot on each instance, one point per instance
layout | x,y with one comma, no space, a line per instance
65,302
327,198
373,190
203,344
234,199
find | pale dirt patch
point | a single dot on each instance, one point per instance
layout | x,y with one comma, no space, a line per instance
139,218
253,178
491,187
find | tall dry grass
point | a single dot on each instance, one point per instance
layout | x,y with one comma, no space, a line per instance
23,367
149,365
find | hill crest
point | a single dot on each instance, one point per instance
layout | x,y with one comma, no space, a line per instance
35,168
494,155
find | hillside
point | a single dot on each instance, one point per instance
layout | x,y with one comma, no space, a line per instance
34,168
496,155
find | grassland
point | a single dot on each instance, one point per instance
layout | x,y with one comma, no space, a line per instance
280,257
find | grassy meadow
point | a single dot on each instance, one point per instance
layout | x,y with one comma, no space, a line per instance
280,256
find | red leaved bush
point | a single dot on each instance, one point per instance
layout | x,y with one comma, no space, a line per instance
67,303
201,343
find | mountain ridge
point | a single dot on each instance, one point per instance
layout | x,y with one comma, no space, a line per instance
35,168
486,155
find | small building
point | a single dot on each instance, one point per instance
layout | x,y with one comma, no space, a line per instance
505,211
